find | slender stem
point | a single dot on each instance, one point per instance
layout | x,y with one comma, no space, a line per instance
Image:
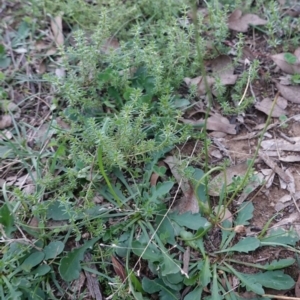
101,167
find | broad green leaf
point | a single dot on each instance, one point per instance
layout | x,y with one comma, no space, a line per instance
168,265
174,287
244,245
123,244
245,214
69,268
276,280
281,236
195,294
7,219
32,260
166,230
157,285
160,190
151,253
41,270
56,211
205,274
4,62
2,50
189,220
53,249
280,264
192,280
255,287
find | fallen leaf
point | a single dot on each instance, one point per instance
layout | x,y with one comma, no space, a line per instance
186,260
240,23
189,202
281,62
56,26
200,83
216,184
5,121
265,106
285,177
118,268
290,93
281,144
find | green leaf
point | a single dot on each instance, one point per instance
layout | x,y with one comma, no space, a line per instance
32,260
7,219
276,280
245,214
245,245
195,294
281,236
160,190
57,212
4,62
168,265
280,264
69,268
205,274
157,285
290,58
166,230
151,253
215,289
53,249
189,220
2,51
255,287
135,282
41,270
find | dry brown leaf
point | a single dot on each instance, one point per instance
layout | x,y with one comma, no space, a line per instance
281,62
241,23
281,144
5,121
224,212
222,65
189,202
219,123
290,158
118,268
283,175
200,83
290,93
265,106
186,260
56,26
251,186
216,184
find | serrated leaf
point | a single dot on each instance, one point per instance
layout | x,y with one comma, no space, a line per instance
69,268
6,219
151,253
245,214
165,230
189,220
157,285
290,58
168,265
281,236
160,190
32,260
255,287
245,245
273,279
195,294
53,249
